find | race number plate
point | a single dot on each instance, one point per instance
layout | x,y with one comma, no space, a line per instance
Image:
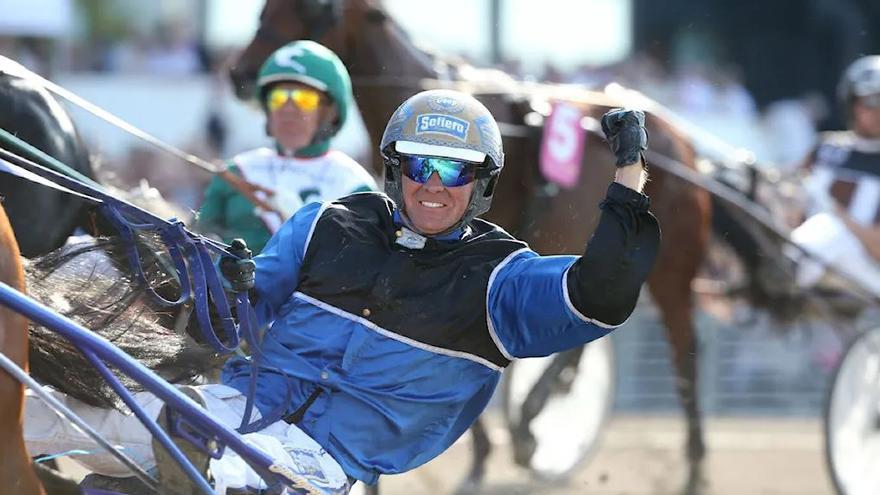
562,145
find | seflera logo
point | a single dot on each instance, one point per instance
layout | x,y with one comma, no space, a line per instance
442,124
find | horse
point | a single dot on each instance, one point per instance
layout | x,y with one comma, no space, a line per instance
93,277
16,474
386,68
42,218
39,220
81,281
87,281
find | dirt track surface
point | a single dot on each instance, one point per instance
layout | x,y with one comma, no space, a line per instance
644,456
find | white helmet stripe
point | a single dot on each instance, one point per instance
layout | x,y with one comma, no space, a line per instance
422,149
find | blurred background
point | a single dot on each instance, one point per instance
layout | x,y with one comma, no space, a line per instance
761,74
750,71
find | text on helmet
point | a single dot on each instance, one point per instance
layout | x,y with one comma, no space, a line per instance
442,124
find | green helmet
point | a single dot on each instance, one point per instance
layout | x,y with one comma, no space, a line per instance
312,64
448,124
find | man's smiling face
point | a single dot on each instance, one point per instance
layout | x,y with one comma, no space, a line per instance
433,208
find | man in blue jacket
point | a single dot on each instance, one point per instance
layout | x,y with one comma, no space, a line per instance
393,315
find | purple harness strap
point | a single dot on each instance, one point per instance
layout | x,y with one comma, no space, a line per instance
200,281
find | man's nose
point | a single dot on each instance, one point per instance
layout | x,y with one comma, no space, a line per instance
434,183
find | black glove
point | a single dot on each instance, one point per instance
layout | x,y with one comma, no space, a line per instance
238,269
625,131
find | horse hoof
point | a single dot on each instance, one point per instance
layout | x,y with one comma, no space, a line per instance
696,485
523,449
469,486
696,451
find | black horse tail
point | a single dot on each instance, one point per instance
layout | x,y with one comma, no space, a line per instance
84,282
768,279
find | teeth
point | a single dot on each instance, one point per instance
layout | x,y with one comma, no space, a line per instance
428,204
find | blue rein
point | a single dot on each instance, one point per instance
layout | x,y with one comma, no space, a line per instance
198,278
189,252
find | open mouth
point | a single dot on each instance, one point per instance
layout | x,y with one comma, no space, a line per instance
431,204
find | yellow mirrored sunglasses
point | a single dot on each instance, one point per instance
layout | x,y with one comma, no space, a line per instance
305,99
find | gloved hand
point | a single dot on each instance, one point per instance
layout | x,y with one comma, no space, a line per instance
238,268
625,131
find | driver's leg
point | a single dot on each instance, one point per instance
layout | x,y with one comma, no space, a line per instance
46,432
173,480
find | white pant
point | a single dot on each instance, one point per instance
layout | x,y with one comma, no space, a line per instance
46,432
828,239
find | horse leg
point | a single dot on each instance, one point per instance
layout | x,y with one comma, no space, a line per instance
16,474
676,308
550,381
482,448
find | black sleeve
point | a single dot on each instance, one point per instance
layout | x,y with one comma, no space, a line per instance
604,283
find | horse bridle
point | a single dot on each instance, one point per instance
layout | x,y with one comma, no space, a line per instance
318,16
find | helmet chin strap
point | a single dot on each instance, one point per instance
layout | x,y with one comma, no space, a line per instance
409,225
287,153
326,130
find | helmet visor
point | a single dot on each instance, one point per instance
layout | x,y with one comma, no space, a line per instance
453,173
414,148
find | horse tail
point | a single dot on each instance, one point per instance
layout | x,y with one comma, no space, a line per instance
87,283
768,277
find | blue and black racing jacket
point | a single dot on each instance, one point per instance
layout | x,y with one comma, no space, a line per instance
387,345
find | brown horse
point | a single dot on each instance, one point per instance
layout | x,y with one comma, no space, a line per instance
16,474
386,68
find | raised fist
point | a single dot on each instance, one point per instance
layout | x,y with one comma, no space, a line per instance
625,131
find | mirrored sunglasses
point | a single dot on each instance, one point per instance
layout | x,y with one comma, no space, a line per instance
305,99
453,173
